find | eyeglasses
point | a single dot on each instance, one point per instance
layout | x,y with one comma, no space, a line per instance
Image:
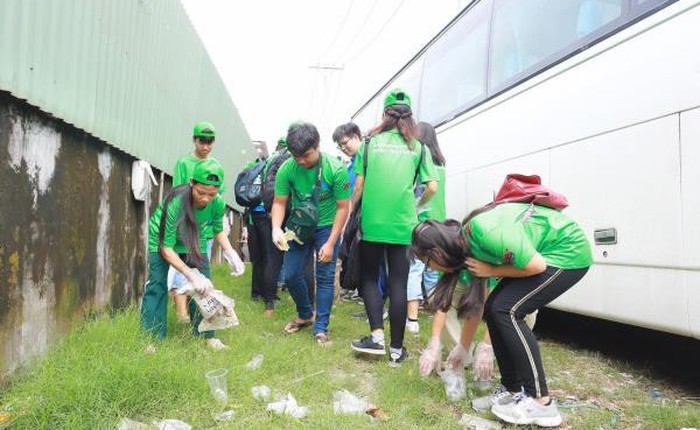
343,143
206,139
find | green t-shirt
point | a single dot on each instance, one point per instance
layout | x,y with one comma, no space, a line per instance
182,173
436,206
299,182
388,204
512,233
208,217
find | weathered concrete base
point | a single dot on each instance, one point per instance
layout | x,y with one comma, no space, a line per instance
72,239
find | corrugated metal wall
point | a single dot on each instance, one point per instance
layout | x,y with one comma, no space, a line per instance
133,73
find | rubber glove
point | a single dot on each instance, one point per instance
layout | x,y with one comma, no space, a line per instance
279,239
234,262
201,285
483,362
458,357
430,358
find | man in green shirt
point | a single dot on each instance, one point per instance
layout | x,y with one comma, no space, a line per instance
320,180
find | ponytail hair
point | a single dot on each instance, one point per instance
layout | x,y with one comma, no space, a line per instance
446,244
401,117
186,224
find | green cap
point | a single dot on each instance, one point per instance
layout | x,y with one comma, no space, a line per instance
208,172
204,129
282,142
397,97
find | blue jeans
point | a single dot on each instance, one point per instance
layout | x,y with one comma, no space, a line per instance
294,262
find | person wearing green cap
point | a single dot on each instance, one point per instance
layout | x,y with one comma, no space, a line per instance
203,136
175,238
395,160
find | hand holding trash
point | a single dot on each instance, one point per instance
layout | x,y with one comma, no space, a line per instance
483,362
234,262
430,358
458,356
199,282
279,240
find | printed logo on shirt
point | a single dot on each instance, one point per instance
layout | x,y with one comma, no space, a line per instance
508,257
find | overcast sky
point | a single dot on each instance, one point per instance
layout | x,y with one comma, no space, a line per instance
265,51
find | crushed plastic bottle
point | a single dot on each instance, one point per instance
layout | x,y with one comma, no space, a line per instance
455,384
255,363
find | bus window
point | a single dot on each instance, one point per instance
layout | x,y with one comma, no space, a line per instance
409,81
454,74
529,35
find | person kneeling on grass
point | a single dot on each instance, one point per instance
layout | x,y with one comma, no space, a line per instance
175,239
539,253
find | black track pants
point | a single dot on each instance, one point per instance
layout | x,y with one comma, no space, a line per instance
396,259
514,344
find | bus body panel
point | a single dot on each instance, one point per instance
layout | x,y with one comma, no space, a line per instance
690,168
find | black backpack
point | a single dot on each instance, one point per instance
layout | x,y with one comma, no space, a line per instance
249,185
268,188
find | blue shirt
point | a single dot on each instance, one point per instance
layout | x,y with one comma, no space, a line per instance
351,172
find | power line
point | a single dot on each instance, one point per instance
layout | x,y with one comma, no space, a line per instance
381,30
354,37
340,30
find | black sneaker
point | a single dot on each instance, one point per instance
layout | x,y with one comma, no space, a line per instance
368,346
396,359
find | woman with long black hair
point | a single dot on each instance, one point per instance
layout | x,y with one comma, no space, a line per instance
395,160
538,253
175,239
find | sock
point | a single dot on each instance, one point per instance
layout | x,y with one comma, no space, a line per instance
378,337
393,350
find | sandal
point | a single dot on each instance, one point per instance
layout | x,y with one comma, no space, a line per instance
322,338
294,325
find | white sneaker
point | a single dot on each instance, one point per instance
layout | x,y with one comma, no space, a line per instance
412,327
216,344
524,410
499,396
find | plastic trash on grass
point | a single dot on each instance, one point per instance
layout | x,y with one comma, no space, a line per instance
455,384
345,402
288,406
255,363
261,392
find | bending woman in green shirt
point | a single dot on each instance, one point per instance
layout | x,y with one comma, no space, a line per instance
175,238
539,253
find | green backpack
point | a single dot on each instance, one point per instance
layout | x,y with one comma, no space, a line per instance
303,218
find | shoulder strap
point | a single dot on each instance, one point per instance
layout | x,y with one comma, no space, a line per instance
420,161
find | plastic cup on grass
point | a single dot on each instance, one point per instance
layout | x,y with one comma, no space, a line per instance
217,379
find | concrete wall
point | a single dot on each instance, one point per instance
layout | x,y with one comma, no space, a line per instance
72,238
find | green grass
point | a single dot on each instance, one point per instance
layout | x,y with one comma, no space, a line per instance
99,374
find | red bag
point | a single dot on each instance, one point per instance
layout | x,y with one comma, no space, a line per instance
529,189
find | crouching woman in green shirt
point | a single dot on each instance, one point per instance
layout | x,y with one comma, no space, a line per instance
539,253
175,239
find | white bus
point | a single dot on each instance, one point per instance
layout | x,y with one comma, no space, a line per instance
601,98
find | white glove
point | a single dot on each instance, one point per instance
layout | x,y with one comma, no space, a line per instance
201,284
458,356
430,358
279,239
234,262
483,362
